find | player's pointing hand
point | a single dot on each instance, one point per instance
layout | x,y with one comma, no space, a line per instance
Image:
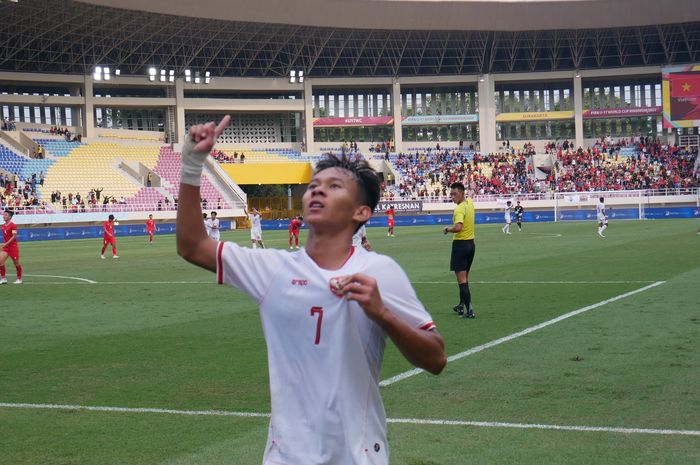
205,135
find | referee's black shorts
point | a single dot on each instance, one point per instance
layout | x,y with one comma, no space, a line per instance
462,255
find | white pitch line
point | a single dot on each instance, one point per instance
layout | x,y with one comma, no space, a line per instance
90,281
220,413
536,282
498,424
411,421
495,342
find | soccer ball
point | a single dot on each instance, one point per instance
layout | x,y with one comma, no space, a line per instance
116,223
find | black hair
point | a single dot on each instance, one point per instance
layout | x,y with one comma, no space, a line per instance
602,199
10,212
214,213
457,185
111,217
367,179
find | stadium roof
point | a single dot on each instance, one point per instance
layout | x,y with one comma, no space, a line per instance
349,38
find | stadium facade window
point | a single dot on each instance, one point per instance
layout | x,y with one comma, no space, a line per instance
354,133
424,101
531,97
623,127
447,132
350,103
535,130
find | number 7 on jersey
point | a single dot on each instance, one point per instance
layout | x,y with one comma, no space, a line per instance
319,311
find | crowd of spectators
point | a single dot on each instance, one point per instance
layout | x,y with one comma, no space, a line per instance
8,125
65,132
653,166
19,192
223,157
429,174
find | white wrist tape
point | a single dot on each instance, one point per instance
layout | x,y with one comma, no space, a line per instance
192,163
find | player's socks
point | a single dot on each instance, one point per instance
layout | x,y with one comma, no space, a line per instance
3,270
465,295
19,272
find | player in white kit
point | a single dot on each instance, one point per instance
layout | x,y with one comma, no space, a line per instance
359,239
255,228
326,311
506,217
214,227
601,216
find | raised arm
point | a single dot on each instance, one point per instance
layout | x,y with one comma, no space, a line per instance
193,244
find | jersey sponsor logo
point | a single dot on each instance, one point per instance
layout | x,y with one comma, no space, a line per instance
300,282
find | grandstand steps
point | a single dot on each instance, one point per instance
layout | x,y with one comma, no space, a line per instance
231,193
130,171
12,140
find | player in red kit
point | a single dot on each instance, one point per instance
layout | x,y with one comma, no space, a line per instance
108,237
150,228
10,247
390,221
294,228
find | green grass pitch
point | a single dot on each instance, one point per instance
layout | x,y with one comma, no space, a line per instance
153,332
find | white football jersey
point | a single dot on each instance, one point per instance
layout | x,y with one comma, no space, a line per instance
357,237
506,214
600,211
324,353
207,226
214,231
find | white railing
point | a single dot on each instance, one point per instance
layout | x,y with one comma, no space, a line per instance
693,191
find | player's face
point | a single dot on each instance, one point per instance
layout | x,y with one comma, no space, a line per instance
331,198
456,195
6,217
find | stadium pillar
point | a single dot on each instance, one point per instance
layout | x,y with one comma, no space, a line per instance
396,111
487,114
89,108
308,118
578,111
179,128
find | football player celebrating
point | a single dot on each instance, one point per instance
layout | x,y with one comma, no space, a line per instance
326,312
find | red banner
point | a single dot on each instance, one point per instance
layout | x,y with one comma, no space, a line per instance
685,95
355,121
621,112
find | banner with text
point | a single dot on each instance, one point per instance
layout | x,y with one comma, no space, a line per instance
621,112
534,116
355,121
420,120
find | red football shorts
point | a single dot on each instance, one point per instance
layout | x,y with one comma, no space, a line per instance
12,251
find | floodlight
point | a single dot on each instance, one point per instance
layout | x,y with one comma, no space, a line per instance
301,77
188,75
292,76
151,74
207,77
